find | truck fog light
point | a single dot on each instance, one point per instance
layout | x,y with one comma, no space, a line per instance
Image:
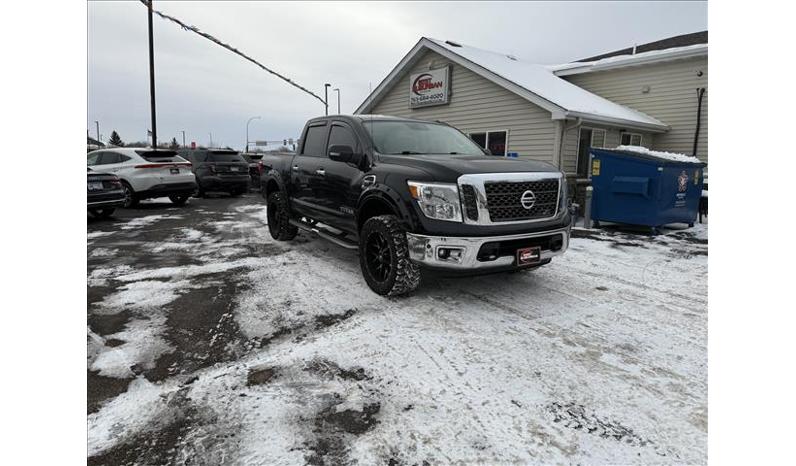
417,247
556,243
450,254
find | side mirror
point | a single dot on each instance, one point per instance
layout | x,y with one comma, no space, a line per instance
342,153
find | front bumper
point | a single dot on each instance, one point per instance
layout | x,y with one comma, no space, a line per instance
484,252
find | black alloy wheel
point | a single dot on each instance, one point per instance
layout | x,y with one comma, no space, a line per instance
129,196
378,256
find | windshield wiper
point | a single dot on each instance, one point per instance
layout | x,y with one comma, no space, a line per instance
406,152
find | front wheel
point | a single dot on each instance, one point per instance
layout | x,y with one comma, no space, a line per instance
279,218
384,257
179,200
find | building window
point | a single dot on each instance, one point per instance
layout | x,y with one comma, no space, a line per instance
598,138
479,138
631,139
493,141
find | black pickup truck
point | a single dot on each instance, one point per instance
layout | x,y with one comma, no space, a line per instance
412,194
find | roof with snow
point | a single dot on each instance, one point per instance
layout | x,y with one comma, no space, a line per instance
683,40
620,61
536,83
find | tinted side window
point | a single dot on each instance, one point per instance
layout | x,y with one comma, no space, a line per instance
340,135
314,141
108,157
92,158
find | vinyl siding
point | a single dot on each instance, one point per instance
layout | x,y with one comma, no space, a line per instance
478,105
672,98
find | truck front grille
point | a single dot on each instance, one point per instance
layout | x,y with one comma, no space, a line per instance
469,199
504,199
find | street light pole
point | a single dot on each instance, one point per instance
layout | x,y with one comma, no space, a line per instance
98,136
326,96
183,139
247,130
337,89
152,78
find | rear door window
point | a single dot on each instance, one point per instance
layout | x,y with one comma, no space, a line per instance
108,158
314,141
93,158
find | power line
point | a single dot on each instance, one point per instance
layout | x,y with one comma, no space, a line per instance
232,49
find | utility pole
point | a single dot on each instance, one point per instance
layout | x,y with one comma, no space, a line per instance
337,89
211,139
183,139
326,96
98,136
152,78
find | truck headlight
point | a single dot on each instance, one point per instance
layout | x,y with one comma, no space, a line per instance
439,201
563,196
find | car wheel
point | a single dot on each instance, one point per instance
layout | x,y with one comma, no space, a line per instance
179,200
279,218
384,257
102,213
130,199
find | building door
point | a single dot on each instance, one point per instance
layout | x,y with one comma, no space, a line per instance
584,144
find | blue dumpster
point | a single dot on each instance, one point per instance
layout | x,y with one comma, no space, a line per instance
641,187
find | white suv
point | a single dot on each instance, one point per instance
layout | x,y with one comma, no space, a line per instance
146,173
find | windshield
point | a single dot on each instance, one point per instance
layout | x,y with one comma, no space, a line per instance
412,137
225,157
160,156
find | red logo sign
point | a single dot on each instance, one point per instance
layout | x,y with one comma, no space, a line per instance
424,83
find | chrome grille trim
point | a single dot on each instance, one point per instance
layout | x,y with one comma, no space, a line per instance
478,182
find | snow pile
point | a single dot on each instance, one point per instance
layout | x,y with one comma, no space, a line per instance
126,415
143,345
673,156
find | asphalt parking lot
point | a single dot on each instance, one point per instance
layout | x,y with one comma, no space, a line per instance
210,343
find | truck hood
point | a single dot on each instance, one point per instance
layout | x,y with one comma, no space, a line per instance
446,167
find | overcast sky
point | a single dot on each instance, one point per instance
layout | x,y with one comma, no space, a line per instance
203,88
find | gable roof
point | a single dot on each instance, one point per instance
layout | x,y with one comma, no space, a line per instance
536,83
682,40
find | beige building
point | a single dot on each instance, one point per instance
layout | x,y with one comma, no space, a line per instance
650,95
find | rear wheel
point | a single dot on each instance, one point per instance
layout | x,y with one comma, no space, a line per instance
384,257
130,199
179,200
102,213
279,218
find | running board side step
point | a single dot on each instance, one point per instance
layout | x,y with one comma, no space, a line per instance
335,238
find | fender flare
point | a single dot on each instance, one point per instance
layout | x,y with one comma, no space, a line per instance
275,176
384,194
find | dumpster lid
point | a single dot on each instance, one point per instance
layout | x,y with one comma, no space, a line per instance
643,152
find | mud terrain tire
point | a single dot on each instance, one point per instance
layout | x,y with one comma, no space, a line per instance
278,218
384,257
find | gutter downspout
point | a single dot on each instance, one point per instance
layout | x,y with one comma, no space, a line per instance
700,94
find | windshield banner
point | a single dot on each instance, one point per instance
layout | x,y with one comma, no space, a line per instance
429,88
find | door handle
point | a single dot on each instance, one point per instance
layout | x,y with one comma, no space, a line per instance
295,168
320,172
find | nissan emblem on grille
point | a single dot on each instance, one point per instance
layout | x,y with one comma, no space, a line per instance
528,199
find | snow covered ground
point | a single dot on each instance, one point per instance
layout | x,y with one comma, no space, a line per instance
210,343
